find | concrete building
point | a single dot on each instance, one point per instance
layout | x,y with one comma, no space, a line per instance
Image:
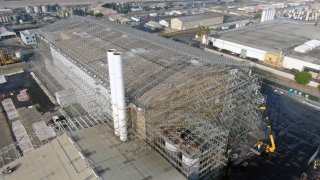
6,32
152,25
119,19
104,11
267,15
190,22
164,22
274,44
27,37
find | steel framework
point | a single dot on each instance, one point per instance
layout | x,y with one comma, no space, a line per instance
186,103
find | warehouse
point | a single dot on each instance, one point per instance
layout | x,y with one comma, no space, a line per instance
152,25
190,22
6,32
279,44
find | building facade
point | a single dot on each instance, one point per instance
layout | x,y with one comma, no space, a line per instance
191,22
28,38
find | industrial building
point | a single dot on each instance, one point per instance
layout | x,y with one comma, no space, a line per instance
164,22
104,11
27,37
190,22
150,92
6,32
276,44
152,25
267,15
119,19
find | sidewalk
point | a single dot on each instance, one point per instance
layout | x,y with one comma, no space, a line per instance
277,76
288,82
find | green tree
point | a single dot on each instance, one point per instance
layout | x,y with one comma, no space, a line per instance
203,32
157,8
99,15
124,11
257,16
302,77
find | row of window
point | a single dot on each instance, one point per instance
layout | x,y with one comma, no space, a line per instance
32,37
31,41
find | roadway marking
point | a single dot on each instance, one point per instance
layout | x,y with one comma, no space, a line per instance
312,105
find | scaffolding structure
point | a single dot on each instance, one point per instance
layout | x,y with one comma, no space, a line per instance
188,104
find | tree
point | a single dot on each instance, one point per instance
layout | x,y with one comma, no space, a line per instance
124,10
99,15
157,8
203,32
257,16
302,77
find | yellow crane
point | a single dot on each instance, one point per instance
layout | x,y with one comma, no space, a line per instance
269,148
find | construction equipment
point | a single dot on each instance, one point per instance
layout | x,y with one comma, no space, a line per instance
269,148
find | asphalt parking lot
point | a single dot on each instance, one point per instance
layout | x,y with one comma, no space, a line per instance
296,127
37,108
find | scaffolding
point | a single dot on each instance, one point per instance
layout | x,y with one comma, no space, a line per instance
188,104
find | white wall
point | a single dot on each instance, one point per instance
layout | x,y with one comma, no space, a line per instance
288,62
89,93
164,23
292,63
236,48
28,39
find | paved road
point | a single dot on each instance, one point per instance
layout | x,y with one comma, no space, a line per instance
265,68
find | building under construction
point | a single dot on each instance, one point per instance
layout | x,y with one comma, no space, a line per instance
189,105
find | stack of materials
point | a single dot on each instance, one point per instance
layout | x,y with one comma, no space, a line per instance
22,137
10,109
43,131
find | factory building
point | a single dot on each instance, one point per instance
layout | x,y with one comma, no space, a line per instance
190,22
119,19
27,37
165,22
6,32
188,105
267,15
283,45
153,26
104,11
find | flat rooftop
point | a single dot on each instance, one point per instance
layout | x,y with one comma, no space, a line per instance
105,156
113,159
58,159
199,17
277,36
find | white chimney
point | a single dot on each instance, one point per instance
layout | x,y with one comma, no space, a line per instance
120,94
113,92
